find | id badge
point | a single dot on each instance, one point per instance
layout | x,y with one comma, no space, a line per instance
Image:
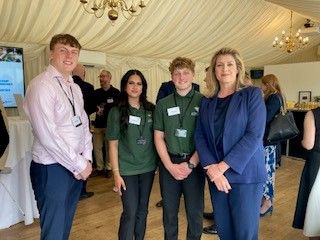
141,141
179,132
76,121
134,120
173,111
110,100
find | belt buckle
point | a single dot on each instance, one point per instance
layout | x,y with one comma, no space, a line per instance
184,155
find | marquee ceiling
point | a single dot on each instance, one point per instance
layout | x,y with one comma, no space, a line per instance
165,29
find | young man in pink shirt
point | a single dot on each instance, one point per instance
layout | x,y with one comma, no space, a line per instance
62,148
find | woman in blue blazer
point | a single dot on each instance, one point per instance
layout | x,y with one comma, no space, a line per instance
229,141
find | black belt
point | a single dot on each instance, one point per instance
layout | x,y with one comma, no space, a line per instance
181,155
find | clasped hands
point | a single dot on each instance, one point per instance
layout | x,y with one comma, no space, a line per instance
179,171
85,173
216,175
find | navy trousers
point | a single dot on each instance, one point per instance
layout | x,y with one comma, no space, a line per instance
57,194
237,213
135,202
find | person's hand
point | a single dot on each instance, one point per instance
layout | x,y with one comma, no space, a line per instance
86,172
100,110
222,184
78,177
216,175
119,182
179,171
213,171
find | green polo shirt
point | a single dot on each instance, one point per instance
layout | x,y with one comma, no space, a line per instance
134,158
166,120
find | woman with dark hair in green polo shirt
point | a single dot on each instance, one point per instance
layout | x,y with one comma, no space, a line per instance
132,153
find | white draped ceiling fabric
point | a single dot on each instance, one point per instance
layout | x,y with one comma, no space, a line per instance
164,30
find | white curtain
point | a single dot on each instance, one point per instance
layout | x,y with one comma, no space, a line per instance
155,71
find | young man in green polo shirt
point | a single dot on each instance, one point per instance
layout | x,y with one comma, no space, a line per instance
179,171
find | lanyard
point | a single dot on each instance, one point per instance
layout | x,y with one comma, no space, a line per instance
71,102
181,117
141,130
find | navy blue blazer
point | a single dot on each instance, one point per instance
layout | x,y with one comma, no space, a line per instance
242,136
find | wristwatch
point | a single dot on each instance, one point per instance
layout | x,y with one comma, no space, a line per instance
191,165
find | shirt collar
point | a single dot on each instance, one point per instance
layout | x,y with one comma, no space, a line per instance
56,74
189,94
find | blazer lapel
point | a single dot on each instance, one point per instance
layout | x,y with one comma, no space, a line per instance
233,106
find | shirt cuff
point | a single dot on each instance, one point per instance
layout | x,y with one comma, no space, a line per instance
80,165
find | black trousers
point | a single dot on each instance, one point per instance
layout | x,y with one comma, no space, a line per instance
57,194
192,189
135,202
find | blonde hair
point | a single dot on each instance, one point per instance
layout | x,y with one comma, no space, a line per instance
212,82
272,85
181,62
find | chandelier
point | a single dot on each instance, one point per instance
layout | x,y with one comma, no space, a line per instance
290,42
98,7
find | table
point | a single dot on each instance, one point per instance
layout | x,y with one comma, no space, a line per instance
18,181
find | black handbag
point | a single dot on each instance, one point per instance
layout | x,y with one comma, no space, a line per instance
282,127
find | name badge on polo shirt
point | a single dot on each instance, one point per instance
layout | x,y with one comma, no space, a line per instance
141,141
134,120
173,111
76,121
179,132
110,100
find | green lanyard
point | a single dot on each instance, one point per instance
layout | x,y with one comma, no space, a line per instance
141,130
181,116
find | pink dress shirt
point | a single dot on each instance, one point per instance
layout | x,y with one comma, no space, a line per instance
56,139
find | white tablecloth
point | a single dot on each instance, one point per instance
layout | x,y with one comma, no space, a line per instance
18,181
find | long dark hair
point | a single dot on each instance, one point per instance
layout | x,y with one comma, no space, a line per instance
123,103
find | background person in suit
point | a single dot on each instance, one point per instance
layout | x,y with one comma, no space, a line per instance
87,89
229,138
167,88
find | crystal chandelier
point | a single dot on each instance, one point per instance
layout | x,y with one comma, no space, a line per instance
290,42
98,7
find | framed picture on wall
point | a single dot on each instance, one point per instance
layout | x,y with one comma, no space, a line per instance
304,96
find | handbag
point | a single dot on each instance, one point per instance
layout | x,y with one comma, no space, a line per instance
282,127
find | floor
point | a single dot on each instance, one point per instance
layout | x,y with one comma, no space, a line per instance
98,217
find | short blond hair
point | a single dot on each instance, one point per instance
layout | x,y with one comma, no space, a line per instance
181,62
